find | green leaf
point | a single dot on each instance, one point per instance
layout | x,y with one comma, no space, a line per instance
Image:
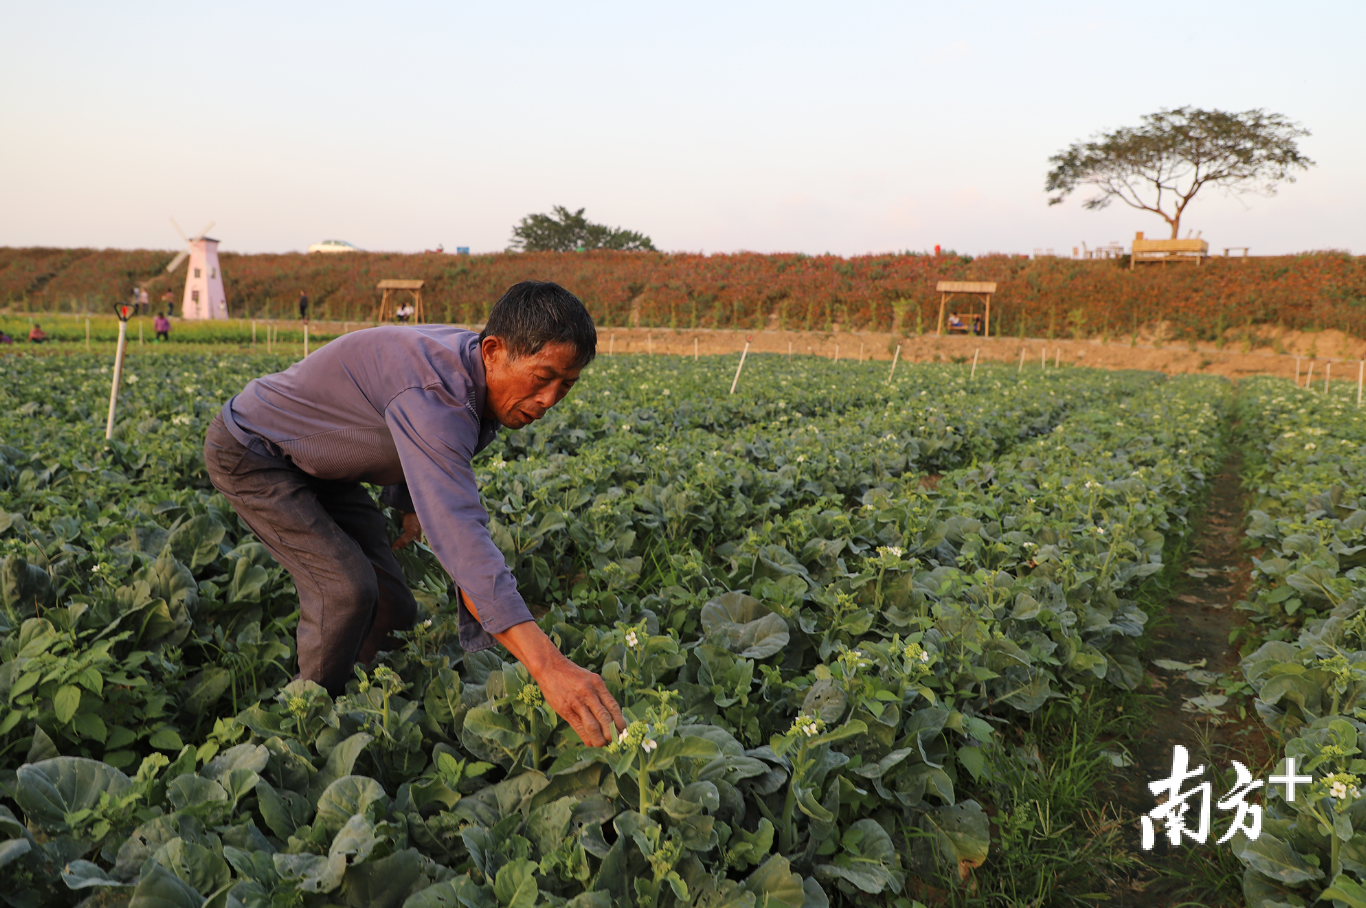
847,730
964,834
65,703
348,796
744,625
160,888
202,867
14,849
311,872
24,587
188,792
515,884
276,810
1345,889
774,883
166,739
91,726
195,542
339,763
42,747
83,875
972,759
383,883
1274,858
49,790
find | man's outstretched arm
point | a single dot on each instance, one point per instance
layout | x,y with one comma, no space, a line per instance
579,696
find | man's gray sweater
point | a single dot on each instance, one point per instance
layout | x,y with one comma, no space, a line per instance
401,408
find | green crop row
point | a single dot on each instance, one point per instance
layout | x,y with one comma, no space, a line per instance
1307,462
820,602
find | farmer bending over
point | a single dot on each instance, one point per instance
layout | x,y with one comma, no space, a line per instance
406,408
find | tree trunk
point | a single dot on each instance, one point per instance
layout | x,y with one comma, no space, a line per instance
1176,227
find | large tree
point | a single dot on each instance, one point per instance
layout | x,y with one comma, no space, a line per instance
1161,165
566,231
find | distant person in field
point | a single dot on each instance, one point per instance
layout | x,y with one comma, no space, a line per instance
36,334
167,299
406,410
5,338
303,306
144,301
403,312
162,325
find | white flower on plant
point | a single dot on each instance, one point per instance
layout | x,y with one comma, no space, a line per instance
1338,790
666,392
631,639
801,458
1310,446
889,551
649,744
427,623
1181,451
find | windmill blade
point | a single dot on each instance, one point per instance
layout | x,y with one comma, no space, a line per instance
179,231
205,232
175,262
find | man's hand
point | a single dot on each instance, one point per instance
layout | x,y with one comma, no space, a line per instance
577,695
412,529
581,699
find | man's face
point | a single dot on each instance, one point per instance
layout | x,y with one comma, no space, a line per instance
521,390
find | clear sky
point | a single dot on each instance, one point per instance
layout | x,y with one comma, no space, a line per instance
715,127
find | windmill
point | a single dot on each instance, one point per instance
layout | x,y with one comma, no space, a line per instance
204,297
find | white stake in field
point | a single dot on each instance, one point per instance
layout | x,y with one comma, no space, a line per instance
118,370
895,356
743,354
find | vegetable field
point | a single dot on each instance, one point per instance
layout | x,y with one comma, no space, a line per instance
836,611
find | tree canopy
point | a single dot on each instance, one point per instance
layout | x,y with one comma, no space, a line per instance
566,231
1161,165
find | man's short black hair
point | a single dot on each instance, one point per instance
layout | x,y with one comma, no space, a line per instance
535,313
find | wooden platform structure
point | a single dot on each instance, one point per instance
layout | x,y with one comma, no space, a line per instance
981,289
390,286
1168,251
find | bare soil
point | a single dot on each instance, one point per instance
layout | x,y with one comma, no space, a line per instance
1334,351
1200,615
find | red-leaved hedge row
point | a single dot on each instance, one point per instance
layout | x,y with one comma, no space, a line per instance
743,290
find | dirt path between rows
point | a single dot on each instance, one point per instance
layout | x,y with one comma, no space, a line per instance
1194,631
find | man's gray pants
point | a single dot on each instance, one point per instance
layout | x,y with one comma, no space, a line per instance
334,542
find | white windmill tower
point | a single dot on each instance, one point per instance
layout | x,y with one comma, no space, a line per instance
204,297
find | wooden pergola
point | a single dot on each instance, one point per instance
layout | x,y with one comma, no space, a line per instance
983,289
389,286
